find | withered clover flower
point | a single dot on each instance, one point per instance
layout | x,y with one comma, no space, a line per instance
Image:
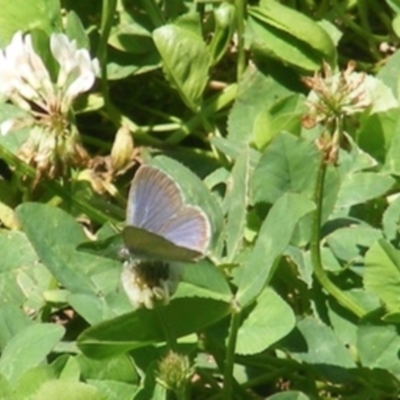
335,96
53,144
148,283
332,98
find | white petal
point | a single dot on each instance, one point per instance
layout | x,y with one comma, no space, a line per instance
6,126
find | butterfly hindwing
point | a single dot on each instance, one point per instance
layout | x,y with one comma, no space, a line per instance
149,245
189,228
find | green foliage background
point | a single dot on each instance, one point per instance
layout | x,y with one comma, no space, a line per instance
299,296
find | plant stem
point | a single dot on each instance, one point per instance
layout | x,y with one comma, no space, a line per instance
378,10
371,39
230,354
210,107
240,6
319,271
107,16
154,12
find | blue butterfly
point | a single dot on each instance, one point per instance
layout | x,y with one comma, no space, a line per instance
160,226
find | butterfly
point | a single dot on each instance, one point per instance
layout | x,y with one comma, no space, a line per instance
159,224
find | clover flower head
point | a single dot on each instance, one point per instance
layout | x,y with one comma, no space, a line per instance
335,95
174,371
148,283
26,82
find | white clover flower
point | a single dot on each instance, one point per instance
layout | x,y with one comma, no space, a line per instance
26,82
149,282
24,76
77,70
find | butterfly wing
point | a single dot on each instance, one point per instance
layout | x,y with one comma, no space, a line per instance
153,199
147,244
188,228
156,206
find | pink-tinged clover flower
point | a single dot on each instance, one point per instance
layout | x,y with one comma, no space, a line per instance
335,95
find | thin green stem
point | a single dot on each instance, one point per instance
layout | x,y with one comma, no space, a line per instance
240,6
378,10
230,355
210,107
319,271
107,17
208,379
372,39
169,337
363,13
154,12
322,9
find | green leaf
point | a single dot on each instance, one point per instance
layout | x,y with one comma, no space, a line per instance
204,279
131,36
186,61
268,321
121,64
113,369
31,380
22,277
54,234
70,370
76,31
289,395
285,115
257,94
29,348
378,347
6,391
391,219
236,202
67,390
233,150
273,238
388,74
224,20
378,135
143,327
114,390
363,186
382,273
12,321
21,15
391,150
282,169
347,243
394,5
92,281
318,345
286,34
18,135
109,247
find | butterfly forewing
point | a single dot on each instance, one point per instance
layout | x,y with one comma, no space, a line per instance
153,198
